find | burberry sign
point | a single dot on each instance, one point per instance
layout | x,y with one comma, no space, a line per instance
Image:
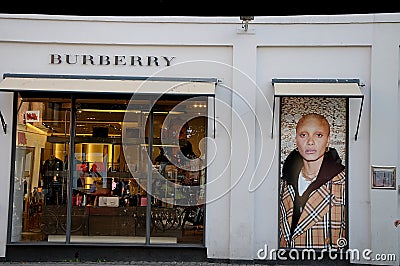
111,60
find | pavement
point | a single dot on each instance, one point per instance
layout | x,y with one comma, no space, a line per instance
124,263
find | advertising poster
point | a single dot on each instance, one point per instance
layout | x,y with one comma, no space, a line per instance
312,195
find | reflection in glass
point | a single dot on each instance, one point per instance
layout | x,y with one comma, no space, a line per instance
137,169
178,178
41,172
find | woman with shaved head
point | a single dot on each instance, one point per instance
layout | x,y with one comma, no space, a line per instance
312,187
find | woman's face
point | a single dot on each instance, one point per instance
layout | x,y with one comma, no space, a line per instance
312,138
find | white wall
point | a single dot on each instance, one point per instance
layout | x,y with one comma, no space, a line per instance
242,214
6,105
384,135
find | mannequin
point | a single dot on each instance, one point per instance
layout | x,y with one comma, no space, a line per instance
52,166
55,192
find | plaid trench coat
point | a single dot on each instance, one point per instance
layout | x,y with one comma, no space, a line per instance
322,221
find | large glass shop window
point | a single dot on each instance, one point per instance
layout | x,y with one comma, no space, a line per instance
138,169
178,170
41,167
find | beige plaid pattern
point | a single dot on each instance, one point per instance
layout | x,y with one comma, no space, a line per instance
323,216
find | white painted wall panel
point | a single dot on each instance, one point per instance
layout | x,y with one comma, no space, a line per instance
365,47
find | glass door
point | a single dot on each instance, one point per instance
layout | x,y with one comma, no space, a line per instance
108,204
178,132
41,167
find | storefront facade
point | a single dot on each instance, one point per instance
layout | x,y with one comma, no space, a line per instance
125,136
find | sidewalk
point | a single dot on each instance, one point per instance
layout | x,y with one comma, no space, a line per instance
154,263
123,263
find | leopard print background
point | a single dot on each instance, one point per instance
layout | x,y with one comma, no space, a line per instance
334,109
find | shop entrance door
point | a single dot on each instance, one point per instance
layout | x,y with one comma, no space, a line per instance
41,174
177,147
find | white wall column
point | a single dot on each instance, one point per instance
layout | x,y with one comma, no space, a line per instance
6,106
243,148
384,140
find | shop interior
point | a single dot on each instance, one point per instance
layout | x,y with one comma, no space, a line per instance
85,165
